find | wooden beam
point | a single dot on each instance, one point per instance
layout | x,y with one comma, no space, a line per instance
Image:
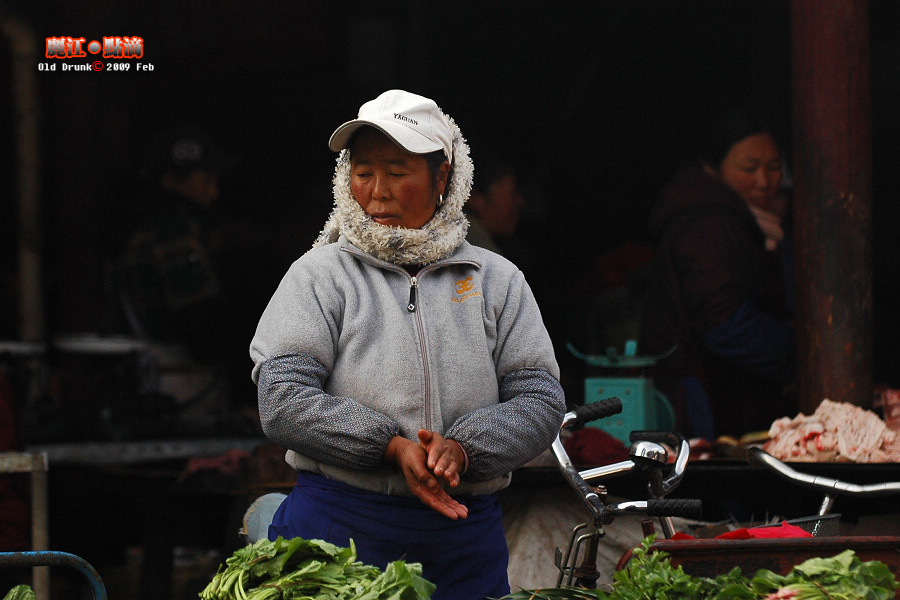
832,206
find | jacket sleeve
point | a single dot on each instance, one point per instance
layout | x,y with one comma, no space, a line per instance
503,437
293,352
297,414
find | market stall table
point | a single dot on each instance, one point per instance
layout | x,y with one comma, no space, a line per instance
107,496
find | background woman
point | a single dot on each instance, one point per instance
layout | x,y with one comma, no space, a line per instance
720,293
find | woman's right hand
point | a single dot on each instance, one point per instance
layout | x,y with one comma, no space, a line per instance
412,460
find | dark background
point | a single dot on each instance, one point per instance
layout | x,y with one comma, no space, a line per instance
598,102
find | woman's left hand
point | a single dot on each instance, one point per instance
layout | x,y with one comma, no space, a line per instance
422,482
446,458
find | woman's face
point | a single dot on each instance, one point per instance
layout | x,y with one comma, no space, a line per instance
753,169
392,185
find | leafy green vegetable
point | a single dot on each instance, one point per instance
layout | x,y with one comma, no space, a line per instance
730,586
300,569
841,577
20,592
652,575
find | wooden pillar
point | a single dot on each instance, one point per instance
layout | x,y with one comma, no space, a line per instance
23,44
832,209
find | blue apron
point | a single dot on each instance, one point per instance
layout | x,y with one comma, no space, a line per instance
466,559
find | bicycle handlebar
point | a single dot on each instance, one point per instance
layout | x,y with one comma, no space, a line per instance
759,457
681,507
648,457
677,507
578,479
591,412
579,416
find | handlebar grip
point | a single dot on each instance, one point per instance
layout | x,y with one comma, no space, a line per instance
654,436
597,410
674,507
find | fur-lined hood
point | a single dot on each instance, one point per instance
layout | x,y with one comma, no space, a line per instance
435,240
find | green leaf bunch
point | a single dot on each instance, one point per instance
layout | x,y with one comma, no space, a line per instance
300,569
20,592
651,575
841,577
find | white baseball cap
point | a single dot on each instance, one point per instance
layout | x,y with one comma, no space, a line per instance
413,122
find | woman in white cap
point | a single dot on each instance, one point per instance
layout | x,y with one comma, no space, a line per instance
407,372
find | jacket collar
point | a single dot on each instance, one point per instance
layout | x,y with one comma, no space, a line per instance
465,253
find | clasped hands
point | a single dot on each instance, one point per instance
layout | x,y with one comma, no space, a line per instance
435,459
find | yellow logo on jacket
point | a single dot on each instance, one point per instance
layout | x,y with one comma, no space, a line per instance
464,289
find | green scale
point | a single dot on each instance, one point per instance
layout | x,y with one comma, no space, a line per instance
643,406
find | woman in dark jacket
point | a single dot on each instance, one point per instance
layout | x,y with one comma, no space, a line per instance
720,289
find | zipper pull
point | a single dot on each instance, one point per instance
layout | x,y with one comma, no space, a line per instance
413,284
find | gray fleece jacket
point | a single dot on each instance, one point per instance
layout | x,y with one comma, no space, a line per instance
343,364
353,350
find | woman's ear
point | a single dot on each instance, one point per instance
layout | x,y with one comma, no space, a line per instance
443,172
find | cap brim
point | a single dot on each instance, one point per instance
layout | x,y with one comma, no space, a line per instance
401,135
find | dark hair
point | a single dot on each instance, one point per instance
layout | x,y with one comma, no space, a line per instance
491,168
435,160
731,127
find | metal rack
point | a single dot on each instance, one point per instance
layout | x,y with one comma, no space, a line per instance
49,558
40,559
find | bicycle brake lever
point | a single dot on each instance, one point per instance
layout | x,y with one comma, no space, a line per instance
681,460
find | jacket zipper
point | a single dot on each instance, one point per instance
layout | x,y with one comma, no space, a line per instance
413,285
411,307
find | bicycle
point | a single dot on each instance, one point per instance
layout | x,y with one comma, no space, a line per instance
650,458
711,557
